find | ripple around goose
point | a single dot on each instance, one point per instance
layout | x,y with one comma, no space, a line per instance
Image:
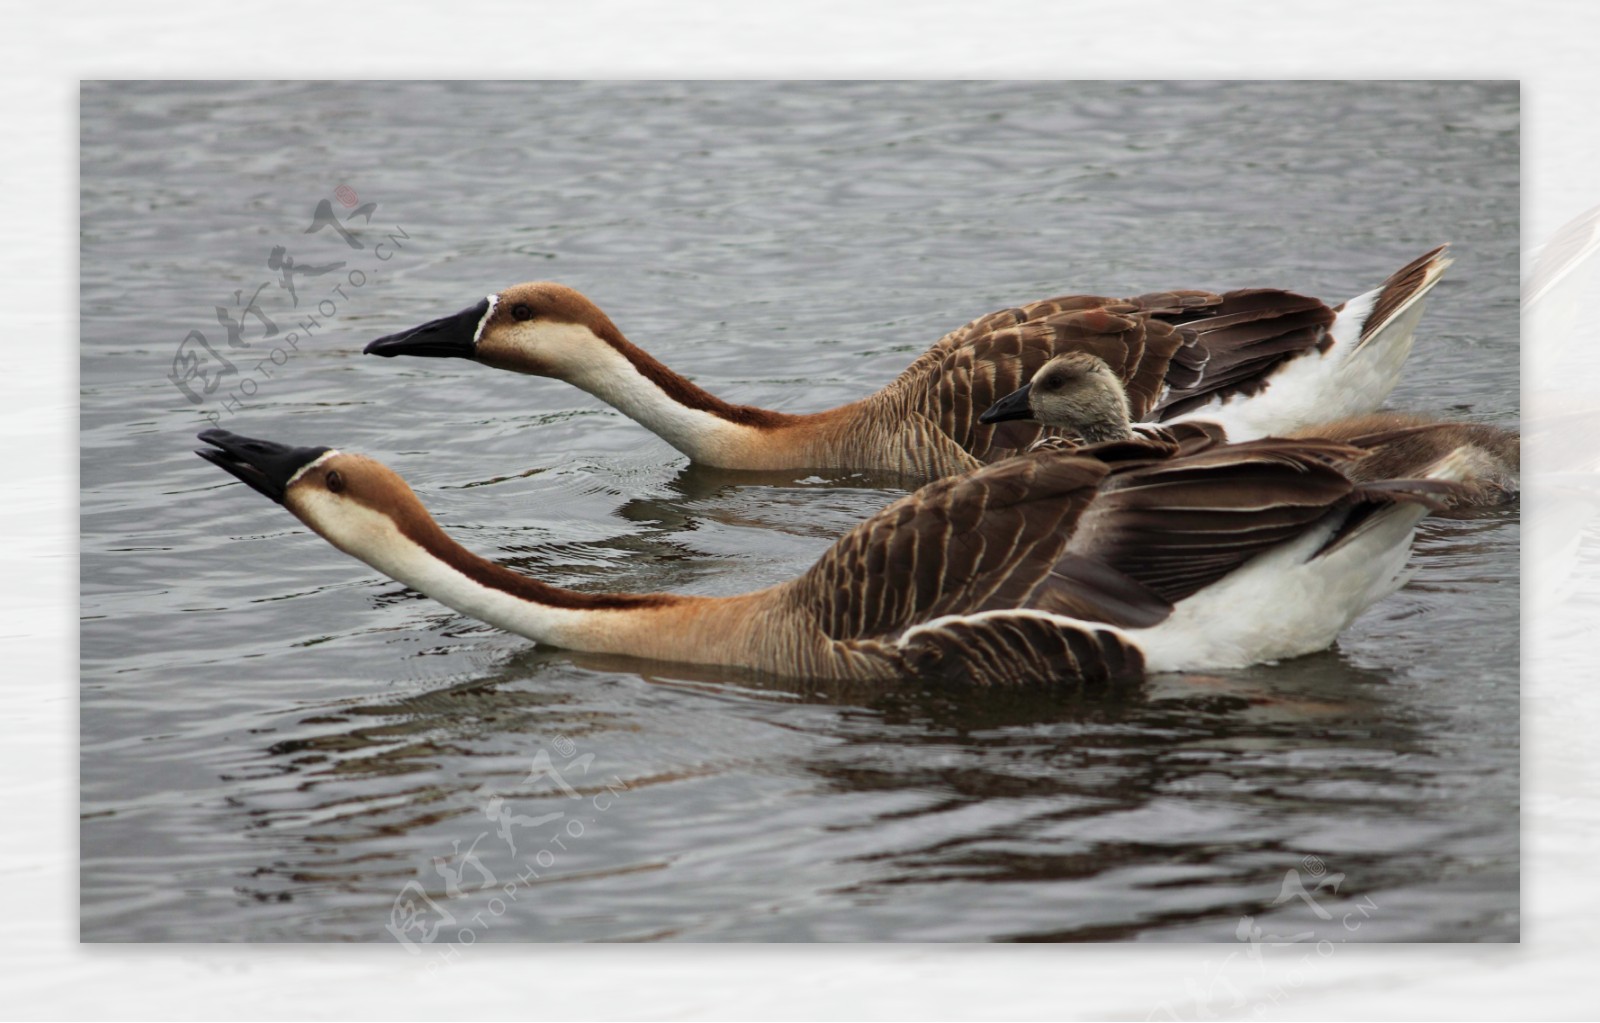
1259,361
1078,568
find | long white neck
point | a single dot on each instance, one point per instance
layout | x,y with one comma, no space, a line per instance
422,557
704,435
409,563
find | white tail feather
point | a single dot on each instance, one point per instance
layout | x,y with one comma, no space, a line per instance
1294,599
1351,377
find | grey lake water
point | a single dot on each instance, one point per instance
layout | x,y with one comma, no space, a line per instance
278,744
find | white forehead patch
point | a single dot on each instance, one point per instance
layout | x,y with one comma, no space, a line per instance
494,300
309,466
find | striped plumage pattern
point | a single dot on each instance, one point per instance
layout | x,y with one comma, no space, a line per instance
1116,533
1174,352
1171,350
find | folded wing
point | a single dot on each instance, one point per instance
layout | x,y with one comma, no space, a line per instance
1173,351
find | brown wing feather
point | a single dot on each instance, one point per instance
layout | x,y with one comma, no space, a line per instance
954,382
1172,351
1400,445
1011,534
1176,526
961,544
1245,338
1401,287
1115,533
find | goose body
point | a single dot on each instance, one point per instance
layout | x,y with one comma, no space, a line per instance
1080,396
1261,361
1075,568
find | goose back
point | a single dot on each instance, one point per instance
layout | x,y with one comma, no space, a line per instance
1172,351
1113,535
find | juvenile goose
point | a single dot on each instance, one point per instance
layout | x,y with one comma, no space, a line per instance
1081,396
1048,567
1259,361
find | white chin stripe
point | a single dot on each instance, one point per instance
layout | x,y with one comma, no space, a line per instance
308,467
494,300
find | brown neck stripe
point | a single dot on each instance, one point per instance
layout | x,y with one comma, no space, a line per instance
683,391
425,533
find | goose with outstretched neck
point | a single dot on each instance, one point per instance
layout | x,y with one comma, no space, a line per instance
1074,569
1258,360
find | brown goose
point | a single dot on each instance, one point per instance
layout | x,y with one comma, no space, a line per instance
1048,567
1081,396
1259,361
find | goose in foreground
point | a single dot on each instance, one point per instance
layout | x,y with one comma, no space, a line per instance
1081,396
1260,361
1069,568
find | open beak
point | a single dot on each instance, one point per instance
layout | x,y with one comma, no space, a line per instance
1012,406
265,466
448,337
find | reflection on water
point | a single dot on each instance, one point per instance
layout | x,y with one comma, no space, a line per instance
279,744
1195,780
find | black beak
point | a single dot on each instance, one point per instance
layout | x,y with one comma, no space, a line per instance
450,337
265,466
1012,406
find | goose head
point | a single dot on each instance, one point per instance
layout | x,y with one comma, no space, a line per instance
357,504
541,328
1076,392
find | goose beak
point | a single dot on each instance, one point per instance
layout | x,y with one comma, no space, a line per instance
262,464
1012,406
448,337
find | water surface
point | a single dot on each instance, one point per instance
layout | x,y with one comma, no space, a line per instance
278,744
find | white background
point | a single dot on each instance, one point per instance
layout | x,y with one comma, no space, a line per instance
1550,46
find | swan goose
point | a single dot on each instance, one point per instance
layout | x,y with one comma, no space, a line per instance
1260,361
1069,568
1081,396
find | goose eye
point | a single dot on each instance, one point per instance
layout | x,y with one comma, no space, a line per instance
521,311
334,481
1055,383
